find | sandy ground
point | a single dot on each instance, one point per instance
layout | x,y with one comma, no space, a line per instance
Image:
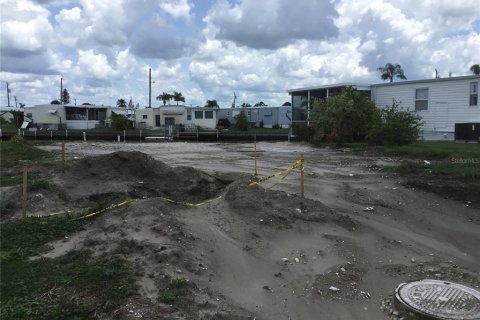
264,253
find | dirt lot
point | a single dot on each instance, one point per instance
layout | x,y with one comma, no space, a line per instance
260,252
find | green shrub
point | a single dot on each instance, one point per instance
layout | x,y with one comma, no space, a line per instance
303,132
223,123
395,126
17,139
120,122
276,126
241,122
346,117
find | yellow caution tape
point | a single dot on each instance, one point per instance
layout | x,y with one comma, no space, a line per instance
53,214
189,204
121,204
57,213
285,173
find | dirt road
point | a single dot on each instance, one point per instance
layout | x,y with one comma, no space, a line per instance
262,252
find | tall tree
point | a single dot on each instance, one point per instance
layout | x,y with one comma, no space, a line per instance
55,102
165,97
177,96
475,69
65,96
260,104
246,105
121,103
212,104
287,104
390,71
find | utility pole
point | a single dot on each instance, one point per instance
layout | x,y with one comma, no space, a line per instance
61,89
75,101
150,87
15,101
8,95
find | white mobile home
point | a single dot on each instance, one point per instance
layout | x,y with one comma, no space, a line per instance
442,103
266,117
59,116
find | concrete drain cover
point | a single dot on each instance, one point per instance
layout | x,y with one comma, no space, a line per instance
436,299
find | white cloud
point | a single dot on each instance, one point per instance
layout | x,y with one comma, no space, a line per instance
177,8
271,23
96,65
25,29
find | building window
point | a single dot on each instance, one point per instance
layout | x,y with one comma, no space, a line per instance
248,113
228,113
208,114
198,114
144,116
421,99
474,93
189,117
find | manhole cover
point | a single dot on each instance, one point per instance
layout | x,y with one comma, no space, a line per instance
435,299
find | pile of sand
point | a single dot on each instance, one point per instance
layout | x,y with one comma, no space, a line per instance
137,175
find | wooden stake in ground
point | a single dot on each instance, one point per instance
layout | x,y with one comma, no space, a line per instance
63,155
255,152
24,193
301,178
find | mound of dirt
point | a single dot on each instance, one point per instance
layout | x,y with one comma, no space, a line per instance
139,176
280,209
467,191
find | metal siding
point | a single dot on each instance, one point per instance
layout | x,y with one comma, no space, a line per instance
448,102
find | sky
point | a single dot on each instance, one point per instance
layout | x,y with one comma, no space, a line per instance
213,49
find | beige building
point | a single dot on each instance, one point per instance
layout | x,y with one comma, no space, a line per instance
152,118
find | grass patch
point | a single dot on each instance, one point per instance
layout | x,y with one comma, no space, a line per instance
8,180
436,150
38,184
8,127
17,149
34,183
28,237
73,286
456,160
176,289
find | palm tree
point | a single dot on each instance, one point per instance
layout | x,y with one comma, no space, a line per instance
65,96
121,103
390,71
177,96
164,97
212,104
475,69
